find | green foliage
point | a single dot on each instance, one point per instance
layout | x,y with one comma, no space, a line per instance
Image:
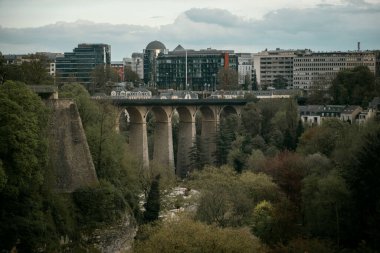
3,177
322,139
100,76
302,245
100,204
362,173
152,206
325,198
184,235
227,79
196,155
87,109
23,155
228,198
256,161
251,119
354,86
31,72
263,221
273,123
225,136
130,75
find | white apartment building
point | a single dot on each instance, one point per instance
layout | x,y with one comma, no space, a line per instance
245,67
275,66
317,70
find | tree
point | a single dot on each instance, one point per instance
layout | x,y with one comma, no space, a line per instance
130,75
292,119
23,154
263,221
228,198
152,206
185,235
35,71
280,82
2,69
87,109
251,119
354,86
256,161
32,72
362,173
322,139
225,136
247,82
100,76
325,198
228,79
196,155
287,170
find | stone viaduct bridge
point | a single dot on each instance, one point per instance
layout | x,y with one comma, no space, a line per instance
163,110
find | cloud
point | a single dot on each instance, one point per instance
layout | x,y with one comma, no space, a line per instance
213,16
323,27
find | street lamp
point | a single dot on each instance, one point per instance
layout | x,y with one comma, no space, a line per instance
166,80
214,75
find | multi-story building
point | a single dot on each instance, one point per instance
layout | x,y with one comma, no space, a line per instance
138,64
245,68
79,65
317,70
47,58
202,68
151,52
275,67
128,63
118,66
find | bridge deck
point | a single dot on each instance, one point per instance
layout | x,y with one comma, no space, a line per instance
173,102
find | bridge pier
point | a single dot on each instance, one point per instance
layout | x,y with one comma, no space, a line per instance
186,137
210,123
163,139
138,139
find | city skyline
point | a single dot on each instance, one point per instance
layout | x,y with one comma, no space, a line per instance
243,26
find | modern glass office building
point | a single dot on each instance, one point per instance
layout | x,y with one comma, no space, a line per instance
202,68
78,66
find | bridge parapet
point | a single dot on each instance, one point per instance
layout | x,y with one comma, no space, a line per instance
45,91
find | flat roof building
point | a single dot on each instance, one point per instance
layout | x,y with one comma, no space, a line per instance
78,66
317,70
275,67
202,68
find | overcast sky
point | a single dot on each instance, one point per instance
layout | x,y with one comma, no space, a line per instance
28,26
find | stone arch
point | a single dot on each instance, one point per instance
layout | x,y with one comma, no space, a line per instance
121,114
229,109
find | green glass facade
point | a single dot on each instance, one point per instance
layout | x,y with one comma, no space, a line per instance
202,68
77,66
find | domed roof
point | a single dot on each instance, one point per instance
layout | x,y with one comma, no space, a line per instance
155,45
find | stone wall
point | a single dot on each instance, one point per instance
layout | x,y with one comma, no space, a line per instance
70,155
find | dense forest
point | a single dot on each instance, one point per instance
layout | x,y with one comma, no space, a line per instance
275,186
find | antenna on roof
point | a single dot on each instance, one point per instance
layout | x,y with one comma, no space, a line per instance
359,46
